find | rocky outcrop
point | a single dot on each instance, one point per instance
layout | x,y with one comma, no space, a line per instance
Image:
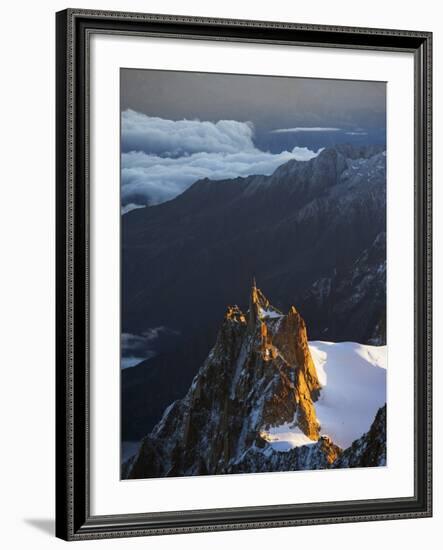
368,450
318,456
259,374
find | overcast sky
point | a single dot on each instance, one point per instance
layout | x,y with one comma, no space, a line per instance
178,127
270,102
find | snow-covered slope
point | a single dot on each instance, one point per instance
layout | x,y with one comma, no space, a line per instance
285,437
353,377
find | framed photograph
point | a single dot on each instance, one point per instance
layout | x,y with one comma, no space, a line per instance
243,274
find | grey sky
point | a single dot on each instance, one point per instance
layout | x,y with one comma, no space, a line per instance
269,102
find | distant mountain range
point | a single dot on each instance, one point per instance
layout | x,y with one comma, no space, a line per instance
264,400
313,234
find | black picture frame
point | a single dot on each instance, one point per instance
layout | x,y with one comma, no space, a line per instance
74,28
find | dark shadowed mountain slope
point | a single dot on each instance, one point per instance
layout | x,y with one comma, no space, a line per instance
198,251
352,300
183,260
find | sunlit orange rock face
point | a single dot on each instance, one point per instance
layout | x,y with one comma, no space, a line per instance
292,341
284,341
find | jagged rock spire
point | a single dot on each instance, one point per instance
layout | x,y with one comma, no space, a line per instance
253,306
251,380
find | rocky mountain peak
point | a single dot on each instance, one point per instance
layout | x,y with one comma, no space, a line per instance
259,307
258,375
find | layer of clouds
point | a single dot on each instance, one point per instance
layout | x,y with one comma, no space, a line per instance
132,342
164,137
304,129
131,206
138,347
162,158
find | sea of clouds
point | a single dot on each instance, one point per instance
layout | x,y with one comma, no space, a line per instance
162,158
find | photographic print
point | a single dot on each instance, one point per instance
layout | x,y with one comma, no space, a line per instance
253,274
